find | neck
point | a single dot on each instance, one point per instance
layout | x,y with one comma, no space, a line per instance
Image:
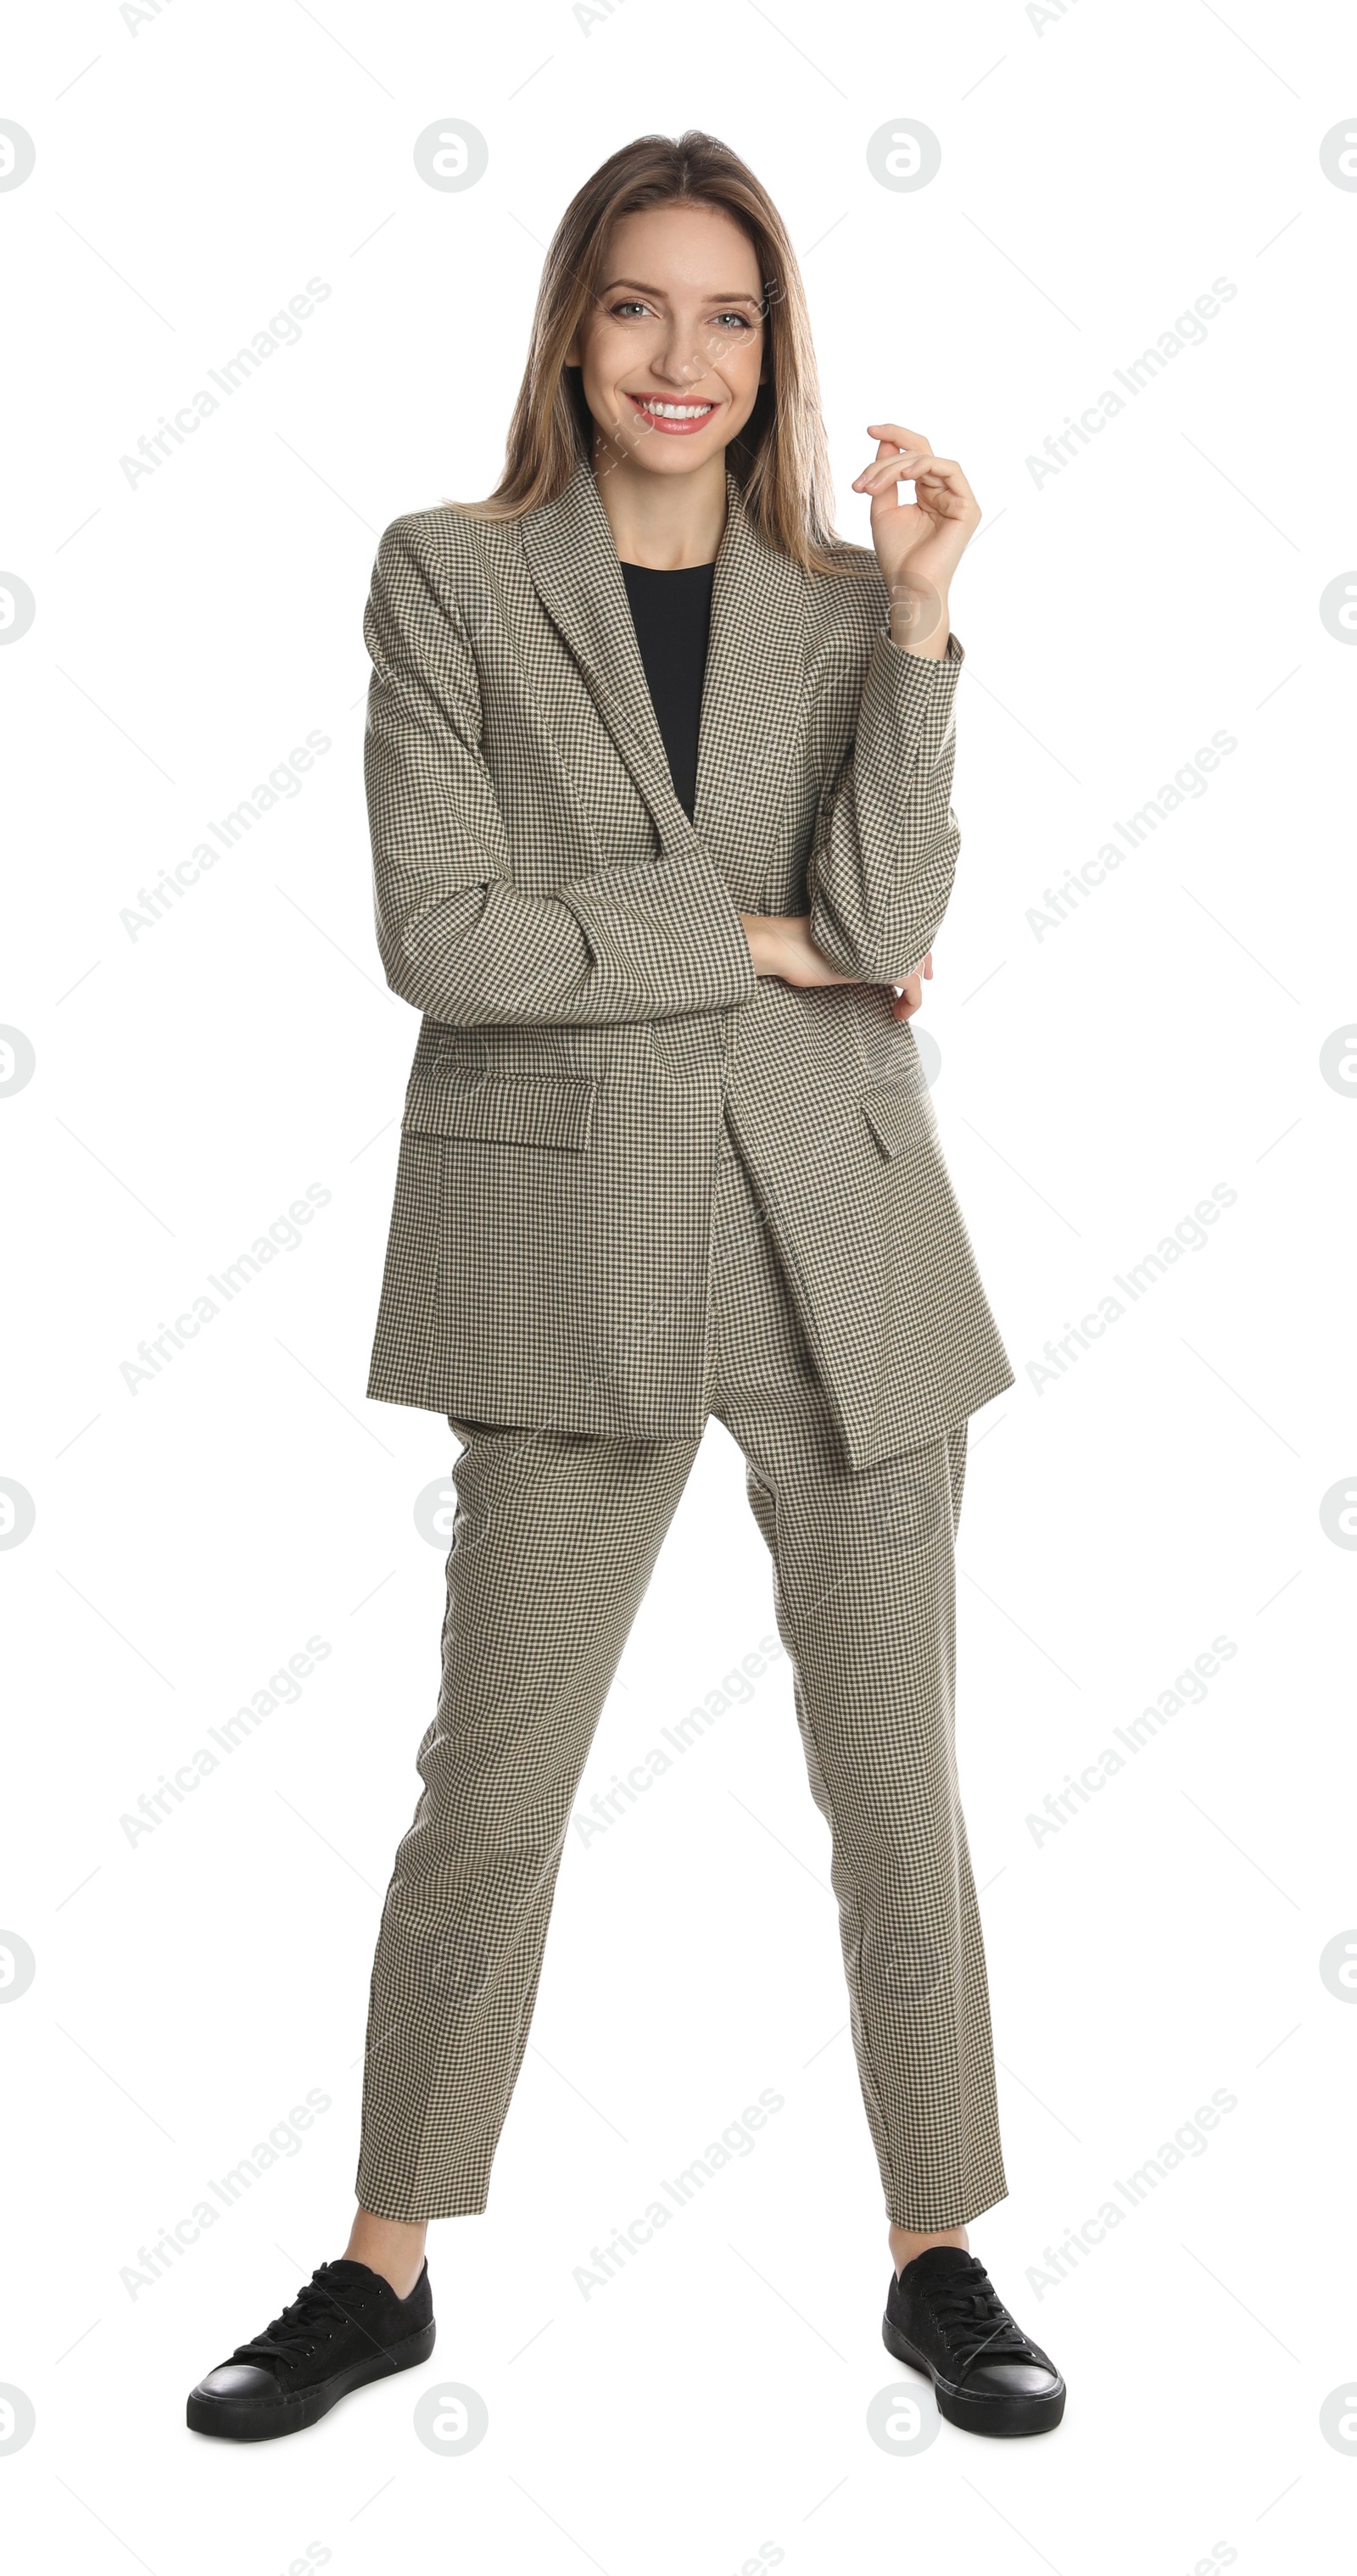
664,521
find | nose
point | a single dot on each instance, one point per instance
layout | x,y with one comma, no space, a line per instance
677,360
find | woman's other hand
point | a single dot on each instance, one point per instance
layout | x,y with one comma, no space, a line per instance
780,944
910,996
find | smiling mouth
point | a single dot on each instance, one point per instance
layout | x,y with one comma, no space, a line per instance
674,418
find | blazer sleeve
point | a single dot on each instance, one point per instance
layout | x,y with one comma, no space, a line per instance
886,840
457,937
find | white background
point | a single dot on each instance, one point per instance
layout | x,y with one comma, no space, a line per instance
1098,173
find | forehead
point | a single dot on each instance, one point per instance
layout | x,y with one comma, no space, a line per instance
698,249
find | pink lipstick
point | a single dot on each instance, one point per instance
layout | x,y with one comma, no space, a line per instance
678,419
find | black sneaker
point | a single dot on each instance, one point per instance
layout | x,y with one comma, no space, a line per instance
345,2328
944,2316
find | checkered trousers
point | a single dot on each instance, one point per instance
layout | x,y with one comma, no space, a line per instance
556,1535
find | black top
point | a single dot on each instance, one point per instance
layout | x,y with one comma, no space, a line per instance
671,612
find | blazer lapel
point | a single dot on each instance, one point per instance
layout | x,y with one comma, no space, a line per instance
755,678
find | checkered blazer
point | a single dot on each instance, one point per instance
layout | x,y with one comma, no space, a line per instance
590,1008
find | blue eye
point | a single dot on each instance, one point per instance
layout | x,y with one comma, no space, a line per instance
633,304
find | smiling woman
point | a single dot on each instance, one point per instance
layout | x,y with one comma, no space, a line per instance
658,770
718,319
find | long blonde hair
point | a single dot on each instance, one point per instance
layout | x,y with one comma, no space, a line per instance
780,458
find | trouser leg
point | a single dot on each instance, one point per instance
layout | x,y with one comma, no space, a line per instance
864,1586
555,1538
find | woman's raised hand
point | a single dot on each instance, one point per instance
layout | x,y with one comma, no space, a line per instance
918,543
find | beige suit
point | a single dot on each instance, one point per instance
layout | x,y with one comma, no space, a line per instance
639,1188
591,1010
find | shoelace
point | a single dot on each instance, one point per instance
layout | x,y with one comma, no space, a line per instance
291,2337
974,2320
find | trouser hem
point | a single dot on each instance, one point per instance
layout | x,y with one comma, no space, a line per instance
412,2208
941,2215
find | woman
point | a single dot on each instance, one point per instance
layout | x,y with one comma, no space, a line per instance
667,1152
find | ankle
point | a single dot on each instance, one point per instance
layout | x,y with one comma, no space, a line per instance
907,2242
390,2246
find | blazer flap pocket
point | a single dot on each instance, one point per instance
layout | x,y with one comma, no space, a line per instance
900,1113
501,1108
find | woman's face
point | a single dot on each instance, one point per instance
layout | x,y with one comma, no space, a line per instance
678,323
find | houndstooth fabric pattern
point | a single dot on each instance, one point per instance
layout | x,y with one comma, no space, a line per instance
555,1536
590,1010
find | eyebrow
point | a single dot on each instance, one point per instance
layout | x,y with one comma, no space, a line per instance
642,289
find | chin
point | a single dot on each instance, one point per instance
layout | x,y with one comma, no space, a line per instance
676,455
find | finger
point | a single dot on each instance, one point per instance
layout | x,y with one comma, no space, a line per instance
899,467
892,429
941,472
936,500
945,471
934,497
893,436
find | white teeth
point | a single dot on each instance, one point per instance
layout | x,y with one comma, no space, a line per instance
676,411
